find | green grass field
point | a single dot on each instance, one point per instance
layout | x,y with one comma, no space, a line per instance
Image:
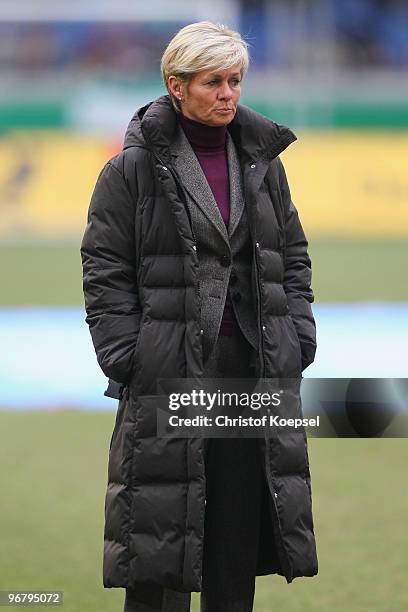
53,478
343,271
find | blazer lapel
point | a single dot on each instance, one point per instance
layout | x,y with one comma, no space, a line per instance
236,197
193,179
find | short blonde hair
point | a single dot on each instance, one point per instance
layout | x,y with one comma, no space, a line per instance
202,46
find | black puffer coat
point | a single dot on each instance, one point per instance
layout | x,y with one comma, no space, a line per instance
142,301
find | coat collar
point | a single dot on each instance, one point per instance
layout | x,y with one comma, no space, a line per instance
257,138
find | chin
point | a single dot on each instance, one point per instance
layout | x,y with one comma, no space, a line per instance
224,119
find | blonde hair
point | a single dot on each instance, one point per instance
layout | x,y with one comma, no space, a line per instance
202,46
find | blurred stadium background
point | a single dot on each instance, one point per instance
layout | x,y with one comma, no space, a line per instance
72,74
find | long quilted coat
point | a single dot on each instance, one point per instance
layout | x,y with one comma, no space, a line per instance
140,279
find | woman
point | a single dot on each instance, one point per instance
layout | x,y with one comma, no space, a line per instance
195,265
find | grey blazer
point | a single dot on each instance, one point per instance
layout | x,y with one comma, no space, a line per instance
225,254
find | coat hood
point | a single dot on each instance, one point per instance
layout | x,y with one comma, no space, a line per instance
153,126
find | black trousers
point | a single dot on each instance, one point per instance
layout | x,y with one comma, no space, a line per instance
234,489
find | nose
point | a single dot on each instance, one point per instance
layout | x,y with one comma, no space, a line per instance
225,91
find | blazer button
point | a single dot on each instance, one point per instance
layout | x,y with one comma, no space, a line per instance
236,297
225,260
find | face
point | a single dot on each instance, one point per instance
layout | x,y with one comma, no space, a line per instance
211,96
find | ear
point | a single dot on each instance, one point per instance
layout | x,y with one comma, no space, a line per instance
175,86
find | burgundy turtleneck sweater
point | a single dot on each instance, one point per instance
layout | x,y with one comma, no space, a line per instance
209,145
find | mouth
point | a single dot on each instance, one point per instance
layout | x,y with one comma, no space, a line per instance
225,110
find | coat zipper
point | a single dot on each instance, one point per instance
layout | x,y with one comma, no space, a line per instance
284,562
260,327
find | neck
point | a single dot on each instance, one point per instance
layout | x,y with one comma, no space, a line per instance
203,137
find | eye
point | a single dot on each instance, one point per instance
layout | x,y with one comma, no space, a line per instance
213,82
235,82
